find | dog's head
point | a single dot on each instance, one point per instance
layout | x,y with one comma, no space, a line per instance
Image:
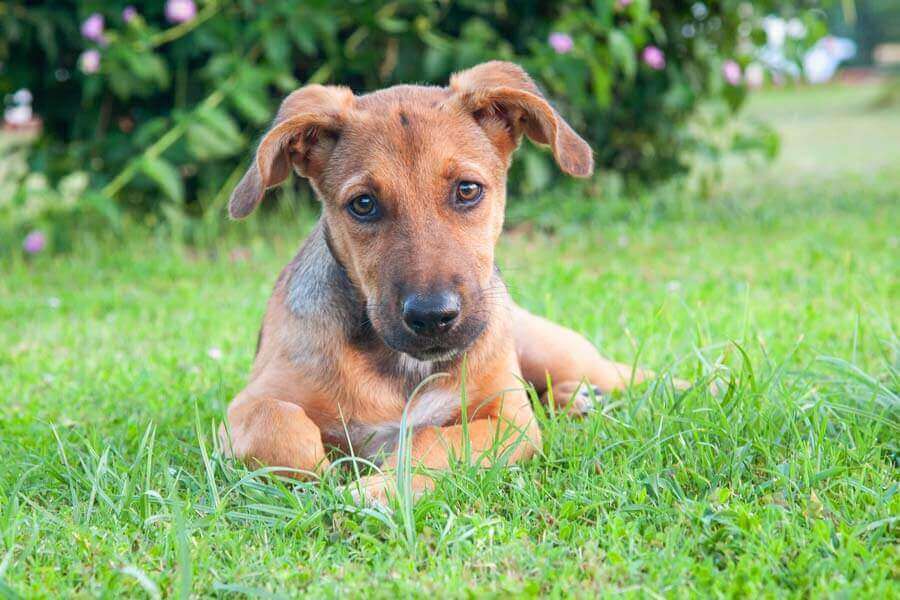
413,182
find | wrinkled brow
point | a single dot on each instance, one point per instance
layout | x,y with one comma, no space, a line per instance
357,181
454,168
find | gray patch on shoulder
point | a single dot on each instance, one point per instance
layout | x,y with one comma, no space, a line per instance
322,301
309,284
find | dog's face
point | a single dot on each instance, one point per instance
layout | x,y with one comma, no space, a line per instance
414,198
413,181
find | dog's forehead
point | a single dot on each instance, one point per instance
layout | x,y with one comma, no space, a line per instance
411,118
414,127
410,129
418,96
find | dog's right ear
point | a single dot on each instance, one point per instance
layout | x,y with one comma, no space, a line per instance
302,136
507,104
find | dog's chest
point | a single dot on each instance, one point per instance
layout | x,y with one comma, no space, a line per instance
435,407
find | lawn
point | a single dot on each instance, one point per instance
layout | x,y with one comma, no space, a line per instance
118,359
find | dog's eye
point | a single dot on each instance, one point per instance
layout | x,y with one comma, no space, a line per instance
363,207
468,192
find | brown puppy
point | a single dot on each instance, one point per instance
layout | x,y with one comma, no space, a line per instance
398,282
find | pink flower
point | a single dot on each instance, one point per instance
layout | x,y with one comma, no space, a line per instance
34,242
92,28
561,42
654,58
89,61
623,3
129,14
181,11
731,71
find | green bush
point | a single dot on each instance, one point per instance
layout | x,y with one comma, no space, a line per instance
161,109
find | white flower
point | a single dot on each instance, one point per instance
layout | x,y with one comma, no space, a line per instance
796,29
22,96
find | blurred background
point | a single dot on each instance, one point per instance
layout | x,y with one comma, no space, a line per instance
124,115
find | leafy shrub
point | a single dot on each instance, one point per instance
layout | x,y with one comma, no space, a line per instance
169,97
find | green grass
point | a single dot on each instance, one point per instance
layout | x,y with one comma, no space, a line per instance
784,283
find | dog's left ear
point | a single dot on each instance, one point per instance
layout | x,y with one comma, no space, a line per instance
301,137
507,103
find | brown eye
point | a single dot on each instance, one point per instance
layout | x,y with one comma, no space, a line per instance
468,192
364,207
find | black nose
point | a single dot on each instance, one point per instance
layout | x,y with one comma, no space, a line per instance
430,314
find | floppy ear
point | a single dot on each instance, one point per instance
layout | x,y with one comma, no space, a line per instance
507,103
302,136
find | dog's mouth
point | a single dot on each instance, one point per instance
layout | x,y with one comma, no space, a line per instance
430,352
438,354
442,349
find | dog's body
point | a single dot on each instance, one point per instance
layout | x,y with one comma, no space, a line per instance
397,283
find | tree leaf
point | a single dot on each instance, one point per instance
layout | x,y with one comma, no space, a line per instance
249,105
622,52
165,175
222,124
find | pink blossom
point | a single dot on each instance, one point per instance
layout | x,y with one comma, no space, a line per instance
654,58
89,61
129,14
181,11
731,71
561,42
92,28
34,242
623,3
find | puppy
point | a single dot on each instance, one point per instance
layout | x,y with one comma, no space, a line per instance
397,282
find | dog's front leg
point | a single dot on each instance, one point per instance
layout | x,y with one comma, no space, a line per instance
271,432
503,430
576,369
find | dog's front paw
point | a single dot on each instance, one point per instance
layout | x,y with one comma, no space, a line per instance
373,490
378,490
575,398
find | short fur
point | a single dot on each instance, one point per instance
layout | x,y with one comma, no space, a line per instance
335,364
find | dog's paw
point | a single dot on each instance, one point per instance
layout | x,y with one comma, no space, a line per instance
372,490
575,398
380,489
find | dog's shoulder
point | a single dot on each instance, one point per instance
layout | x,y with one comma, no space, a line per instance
310,312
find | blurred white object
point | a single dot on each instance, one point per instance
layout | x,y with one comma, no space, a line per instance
796,29
22,96
772,55
776,31
776,62
823,59
755,75
19,114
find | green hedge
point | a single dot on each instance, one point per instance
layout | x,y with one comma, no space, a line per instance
156,100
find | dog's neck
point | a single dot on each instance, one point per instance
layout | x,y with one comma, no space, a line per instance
318,287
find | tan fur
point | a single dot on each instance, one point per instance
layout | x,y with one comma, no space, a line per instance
322,376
